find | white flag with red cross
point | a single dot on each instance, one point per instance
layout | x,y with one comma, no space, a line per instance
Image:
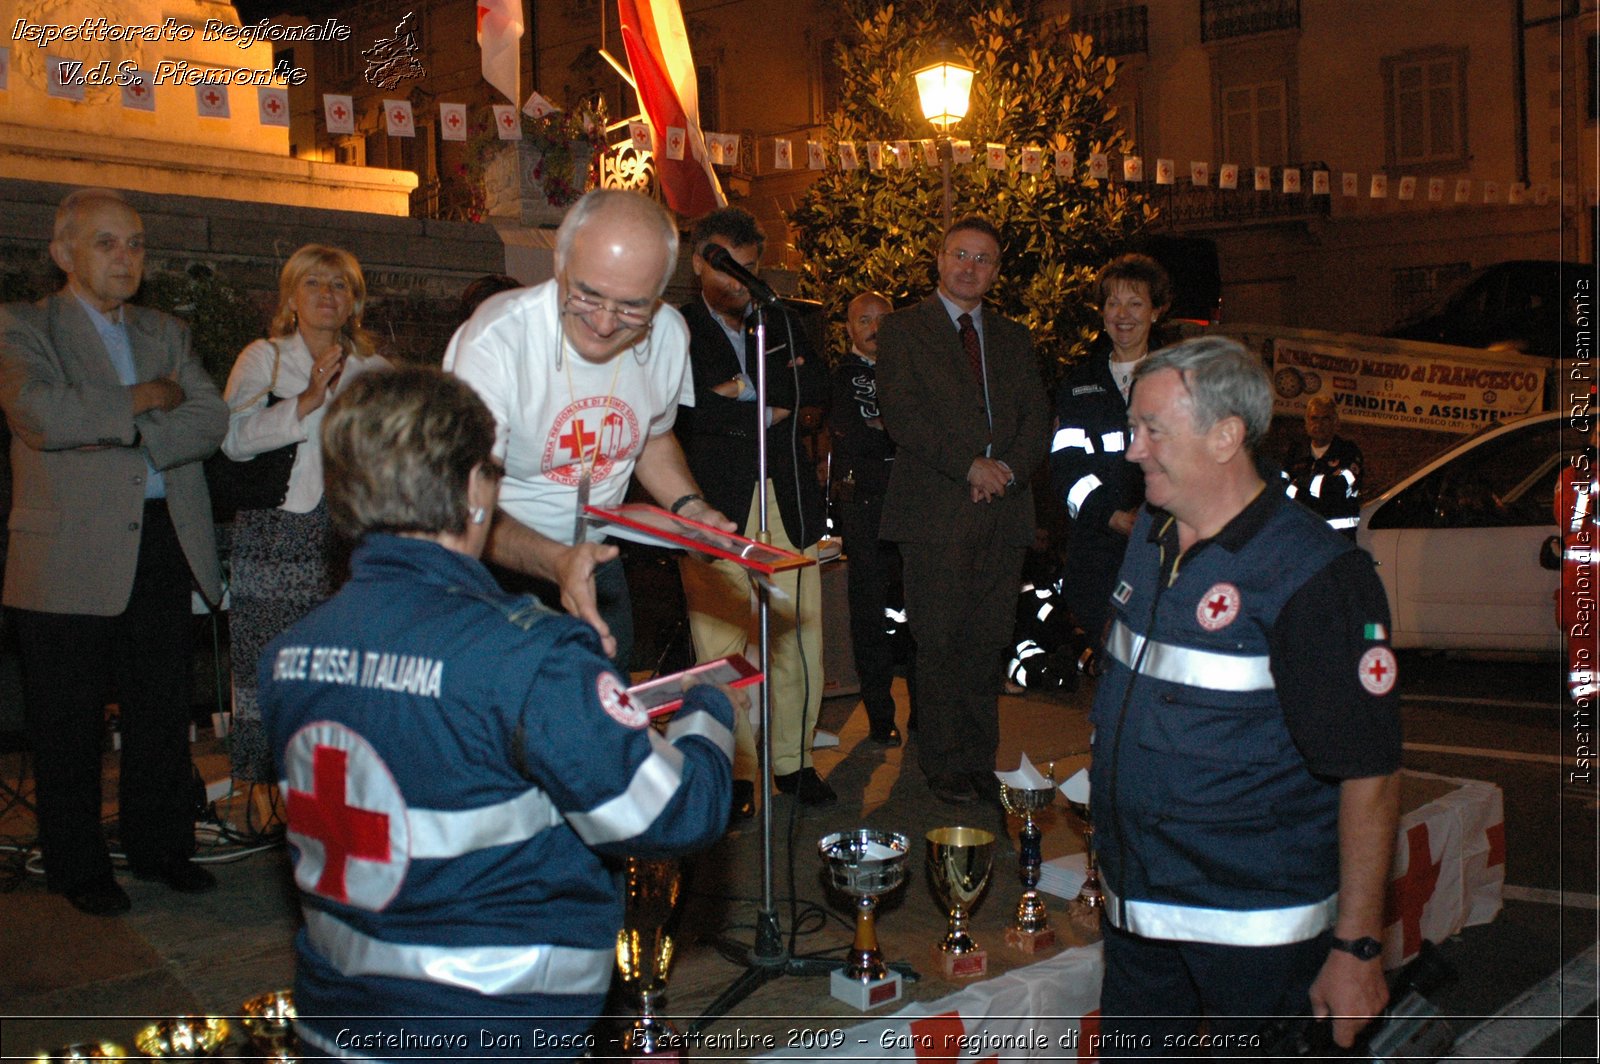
397,118
211,101
139,91
339,112
453,121
272,105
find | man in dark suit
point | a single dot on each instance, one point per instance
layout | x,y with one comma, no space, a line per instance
111,527
723,431
960,395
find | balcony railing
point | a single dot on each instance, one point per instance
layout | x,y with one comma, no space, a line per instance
1122,31
1222,19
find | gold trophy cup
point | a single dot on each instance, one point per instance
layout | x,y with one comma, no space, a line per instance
865,864
183,1038
1089,897
1030,930
959,861
268,1021
644,953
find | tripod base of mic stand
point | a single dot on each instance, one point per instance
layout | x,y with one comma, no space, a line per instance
769,960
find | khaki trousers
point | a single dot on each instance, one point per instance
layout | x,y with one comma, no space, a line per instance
724,619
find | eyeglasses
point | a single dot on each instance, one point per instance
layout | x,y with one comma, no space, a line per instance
632,317
981,258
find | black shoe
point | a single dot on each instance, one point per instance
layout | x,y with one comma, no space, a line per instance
179,874
953,790
887,736
99,897
809,787
744,800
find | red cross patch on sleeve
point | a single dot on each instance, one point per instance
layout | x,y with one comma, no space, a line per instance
617,703
1378,670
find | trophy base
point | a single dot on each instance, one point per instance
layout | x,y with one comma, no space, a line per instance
864,996
973,964
1031,942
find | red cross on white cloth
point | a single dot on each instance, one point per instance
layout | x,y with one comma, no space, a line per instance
347,817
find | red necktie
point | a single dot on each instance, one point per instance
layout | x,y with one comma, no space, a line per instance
969,340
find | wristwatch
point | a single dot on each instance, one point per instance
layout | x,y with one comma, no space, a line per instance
1364,948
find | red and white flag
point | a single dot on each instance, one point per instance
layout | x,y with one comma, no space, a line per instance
1065,163
1228,176
782,154
815,159
64,78
506,123
453,121
995,156
1132,168
537,105
663,69
339,112
499,34
138,90
211,101
1166,171
961,153
1199,173
272,105
639,133
397,118
1263,179
677,137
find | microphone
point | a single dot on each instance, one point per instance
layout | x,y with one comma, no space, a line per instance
717,257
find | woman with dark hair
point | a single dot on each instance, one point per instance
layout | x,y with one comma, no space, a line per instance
277,394
462,767
1101,490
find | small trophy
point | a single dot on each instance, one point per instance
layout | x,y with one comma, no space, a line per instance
1076,792
182,1038
959,860
644,953
865,864
268,1021
1024,793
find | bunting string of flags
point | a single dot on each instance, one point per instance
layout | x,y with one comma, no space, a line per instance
64,81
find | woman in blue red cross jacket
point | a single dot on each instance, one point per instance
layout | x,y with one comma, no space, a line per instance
462,768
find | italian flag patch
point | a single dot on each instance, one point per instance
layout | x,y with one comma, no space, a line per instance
1376,632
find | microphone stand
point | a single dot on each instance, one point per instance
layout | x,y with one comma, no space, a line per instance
769,959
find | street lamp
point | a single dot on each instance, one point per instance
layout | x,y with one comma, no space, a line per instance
944,89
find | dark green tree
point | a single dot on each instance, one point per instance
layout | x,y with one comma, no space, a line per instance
1037,84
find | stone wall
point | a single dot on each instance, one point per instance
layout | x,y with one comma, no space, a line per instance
415,270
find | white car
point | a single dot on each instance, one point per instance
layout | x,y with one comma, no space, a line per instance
1457,542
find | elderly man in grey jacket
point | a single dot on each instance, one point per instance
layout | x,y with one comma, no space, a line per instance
111,528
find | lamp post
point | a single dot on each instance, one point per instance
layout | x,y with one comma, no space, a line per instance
944,89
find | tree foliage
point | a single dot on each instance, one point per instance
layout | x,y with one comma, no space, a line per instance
1038,84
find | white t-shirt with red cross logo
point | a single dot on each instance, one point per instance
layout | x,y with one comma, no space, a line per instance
553,421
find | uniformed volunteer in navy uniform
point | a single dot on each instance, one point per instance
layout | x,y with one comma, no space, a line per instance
1246,736
1325,474
460,766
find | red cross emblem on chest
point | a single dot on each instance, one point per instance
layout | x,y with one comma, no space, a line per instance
1218,607
577,441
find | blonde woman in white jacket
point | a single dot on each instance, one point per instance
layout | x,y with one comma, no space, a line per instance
277,393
